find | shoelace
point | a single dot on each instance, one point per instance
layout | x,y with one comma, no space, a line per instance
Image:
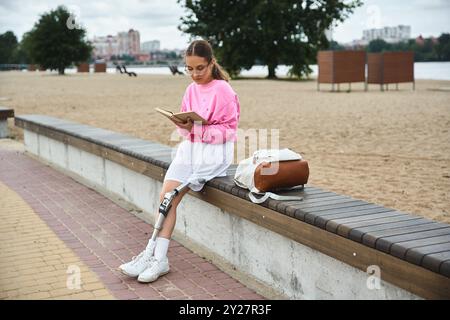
155,266
137,259
147,250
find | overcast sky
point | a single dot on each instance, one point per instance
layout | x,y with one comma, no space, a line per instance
158,19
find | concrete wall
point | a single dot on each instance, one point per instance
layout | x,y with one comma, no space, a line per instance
286,266
4,132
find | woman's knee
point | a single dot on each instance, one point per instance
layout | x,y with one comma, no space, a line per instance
169,186
166,188
161,196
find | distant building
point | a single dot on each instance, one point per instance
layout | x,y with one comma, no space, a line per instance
151,46
125,43
143,57
397,34
420,40
105,47
122,40
134,42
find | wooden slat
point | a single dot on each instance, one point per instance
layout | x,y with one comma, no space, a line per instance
357,234
371,238
417,255
324,202
385,243
347,206
344,228
289,207
400,249
313,217
317,205
334,224
322,220
284,206
445,269
312,194
434,261
314,200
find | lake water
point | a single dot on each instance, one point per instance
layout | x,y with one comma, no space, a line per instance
422,70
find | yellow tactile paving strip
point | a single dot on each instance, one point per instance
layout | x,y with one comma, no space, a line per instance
34,262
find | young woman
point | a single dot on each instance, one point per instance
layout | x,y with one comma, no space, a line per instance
206,152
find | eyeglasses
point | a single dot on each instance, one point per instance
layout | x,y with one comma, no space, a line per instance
200,70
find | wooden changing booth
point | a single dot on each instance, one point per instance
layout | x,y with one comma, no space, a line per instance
99,67
336,67
83,67
390,67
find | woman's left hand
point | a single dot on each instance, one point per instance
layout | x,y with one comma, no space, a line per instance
186,125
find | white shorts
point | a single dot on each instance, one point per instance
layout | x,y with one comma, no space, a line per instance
196,160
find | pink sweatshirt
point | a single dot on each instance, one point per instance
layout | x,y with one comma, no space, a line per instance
216,102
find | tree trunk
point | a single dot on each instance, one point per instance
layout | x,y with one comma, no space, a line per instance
61,71
271,68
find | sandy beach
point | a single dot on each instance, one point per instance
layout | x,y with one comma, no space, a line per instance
391,148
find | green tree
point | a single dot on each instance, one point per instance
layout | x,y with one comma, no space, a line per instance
378,45
333,45
443,48
21,53
56,41
8,44
272,32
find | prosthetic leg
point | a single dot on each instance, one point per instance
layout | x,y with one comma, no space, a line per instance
139,263
164,209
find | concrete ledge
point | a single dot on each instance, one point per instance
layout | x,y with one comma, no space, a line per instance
5,113
295,258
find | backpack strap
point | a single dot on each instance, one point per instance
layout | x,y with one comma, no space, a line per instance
271,195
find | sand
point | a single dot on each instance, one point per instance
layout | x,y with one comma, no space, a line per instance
391,148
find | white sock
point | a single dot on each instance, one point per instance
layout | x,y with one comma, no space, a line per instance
162,245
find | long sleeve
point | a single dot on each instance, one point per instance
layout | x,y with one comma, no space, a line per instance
219,105
223,126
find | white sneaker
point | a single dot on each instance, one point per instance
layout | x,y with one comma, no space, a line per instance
138,264
157,269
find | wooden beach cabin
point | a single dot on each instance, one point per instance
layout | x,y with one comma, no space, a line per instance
100,67
390,67
336,67
83,67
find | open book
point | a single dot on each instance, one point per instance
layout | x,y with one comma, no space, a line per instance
182,116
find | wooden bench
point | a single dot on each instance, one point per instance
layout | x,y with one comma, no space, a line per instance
413,252
5,113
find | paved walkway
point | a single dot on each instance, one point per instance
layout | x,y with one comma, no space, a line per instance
62,240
